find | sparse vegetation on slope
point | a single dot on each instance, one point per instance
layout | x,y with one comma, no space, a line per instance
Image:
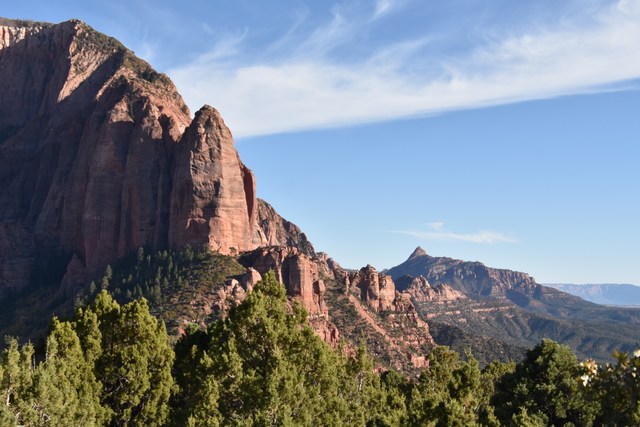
181,286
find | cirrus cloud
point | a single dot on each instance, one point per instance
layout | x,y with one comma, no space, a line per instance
437,233
304,85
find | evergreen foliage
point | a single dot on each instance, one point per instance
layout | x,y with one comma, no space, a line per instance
112,365
544,388
263,365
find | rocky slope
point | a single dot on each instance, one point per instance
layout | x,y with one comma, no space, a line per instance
420,290
273,230
476,280
351,305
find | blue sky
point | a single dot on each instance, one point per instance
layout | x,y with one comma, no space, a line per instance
491,130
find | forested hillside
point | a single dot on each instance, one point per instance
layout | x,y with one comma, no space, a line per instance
112,364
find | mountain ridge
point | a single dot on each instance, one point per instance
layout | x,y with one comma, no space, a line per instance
105,158
509,306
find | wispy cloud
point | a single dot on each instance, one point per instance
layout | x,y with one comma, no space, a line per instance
311,88
383,7
437,233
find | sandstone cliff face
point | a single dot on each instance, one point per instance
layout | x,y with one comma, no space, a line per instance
86,138
214,193
99,156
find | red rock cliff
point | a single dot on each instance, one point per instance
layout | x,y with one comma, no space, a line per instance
99,156
214,194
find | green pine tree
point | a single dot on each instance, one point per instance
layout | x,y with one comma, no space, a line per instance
16,384
66,392
135,363
546,386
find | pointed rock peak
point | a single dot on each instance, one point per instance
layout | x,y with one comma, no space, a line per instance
208,112
418,252
211,121
369,269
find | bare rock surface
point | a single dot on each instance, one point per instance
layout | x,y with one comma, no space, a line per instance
99,156
377,290
421,291
273,230
214,192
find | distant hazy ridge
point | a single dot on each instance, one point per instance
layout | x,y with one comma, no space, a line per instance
609,294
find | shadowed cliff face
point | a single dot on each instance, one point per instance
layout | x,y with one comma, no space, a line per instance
99,156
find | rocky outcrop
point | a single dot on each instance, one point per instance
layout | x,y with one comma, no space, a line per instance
421,291
326,330
273,230
250,278
377,290
296,270
99,156
301,275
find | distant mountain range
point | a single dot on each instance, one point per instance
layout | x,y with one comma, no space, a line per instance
502,312
622,295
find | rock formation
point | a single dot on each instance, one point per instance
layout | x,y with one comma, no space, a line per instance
99,156
250,278
296,270
214,194
377,290
472,278
273,230
421,291
301,275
